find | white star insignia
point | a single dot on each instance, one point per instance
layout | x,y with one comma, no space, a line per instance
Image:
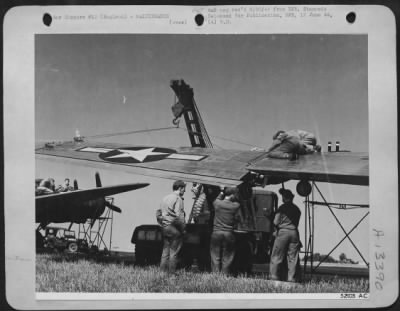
138,155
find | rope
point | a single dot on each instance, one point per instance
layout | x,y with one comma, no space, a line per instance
222,138
131,132
208,141
206,137
218,146
233,140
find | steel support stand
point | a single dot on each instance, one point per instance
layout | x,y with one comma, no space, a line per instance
309,232
96,237
309,229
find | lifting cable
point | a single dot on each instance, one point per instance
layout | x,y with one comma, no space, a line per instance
132,132
207,140
232,140
222,138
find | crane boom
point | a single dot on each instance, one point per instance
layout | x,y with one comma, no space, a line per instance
186,105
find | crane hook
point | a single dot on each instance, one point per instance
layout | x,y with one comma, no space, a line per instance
176,121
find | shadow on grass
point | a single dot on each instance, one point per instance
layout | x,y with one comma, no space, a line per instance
76,257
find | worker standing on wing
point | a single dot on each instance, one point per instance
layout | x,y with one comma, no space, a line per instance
287,242
222,244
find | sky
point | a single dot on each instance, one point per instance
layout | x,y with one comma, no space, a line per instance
246,87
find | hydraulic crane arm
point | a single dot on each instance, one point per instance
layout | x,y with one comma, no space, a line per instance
185,106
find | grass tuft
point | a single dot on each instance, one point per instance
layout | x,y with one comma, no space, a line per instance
56,273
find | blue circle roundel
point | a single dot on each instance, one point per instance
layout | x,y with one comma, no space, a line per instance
136,154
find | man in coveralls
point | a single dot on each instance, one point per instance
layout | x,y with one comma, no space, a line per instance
173,226
291,144
222,242
287,242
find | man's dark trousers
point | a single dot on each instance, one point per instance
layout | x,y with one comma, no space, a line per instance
222,251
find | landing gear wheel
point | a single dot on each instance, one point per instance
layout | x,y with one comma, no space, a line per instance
72,247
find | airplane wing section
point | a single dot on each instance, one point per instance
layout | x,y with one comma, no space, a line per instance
87,194
203,165
333,167
211,166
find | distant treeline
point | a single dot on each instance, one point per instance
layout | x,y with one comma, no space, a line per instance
342,258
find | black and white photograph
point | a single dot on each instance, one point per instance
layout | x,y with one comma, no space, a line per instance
219,162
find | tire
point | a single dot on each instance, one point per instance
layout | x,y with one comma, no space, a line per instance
72,247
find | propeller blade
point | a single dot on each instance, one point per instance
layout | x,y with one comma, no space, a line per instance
98,180
76,185
113,207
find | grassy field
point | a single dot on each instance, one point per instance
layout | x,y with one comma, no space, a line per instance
57,273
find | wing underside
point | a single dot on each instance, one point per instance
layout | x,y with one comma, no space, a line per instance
79,205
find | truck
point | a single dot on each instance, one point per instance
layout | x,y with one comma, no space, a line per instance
61,239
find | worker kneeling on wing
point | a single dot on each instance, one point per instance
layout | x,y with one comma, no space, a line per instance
222,244
287,242
291,144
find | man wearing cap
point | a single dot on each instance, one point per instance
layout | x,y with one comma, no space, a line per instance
66,187
173,226
222,244
287,242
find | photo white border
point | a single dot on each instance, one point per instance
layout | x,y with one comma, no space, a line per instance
20,26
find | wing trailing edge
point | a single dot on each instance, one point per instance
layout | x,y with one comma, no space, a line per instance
333,167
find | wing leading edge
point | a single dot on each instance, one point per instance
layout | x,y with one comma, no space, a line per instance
204,165
87,194
210,166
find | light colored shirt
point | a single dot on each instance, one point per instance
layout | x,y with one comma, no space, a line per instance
172,209
294,141
306,140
